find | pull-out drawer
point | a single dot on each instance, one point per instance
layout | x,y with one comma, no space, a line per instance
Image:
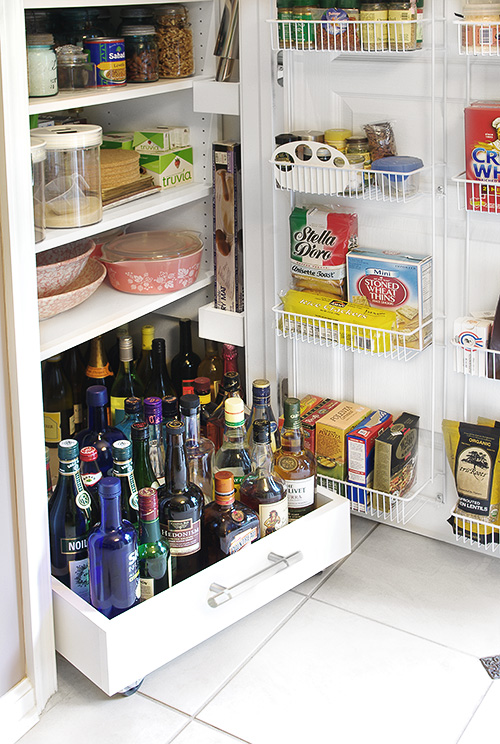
111,653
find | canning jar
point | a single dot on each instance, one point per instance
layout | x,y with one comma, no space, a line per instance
38,21
141,53
76,24
74,70
38,183
72,174
373,17
482,30
402,26
175,41
358,145
42,65
135,16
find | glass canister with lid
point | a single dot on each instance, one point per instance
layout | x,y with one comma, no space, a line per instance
72,174
135,15
74,70
42,65
76,24
38,184
357,144
373,17
175,41
141,53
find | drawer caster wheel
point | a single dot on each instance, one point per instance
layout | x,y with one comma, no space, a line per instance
131,689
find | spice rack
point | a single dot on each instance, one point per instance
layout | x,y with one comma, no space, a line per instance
479,39
477,196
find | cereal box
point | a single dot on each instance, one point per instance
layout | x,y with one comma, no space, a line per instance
394,281
331,443
360,455
482,155
312,417
169,169
396,450
471,336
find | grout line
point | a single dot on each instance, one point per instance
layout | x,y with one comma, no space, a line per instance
213,728
475,711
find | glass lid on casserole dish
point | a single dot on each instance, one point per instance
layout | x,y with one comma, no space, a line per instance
151,246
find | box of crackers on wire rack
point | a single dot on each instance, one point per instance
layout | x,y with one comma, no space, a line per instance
390,280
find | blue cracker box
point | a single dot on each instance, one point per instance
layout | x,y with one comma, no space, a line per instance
390,280
361,453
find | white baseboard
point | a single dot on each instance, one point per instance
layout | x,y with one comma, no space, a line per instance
18,711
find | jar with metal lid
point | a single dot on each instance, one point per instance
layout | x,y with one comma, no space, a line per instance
103,21
337,138
358,145
38,184
76,24
135,16
42,65
175,41
402,26
72,174
141,54
373,17
74,71
38,21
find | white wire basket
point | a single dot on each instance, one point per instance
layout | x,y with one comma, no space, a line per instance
370,341
365,37
469,531
476,361
480,39
478,196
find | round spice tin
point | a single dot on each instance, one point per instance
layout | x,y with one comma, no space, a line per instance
108,55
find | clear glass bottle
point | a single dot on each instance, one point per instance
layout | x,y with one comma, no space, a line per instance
127,383
42,65
233,454
153,417
58,414
123,469
175,41
185,364
230,388
261,409
99,434
159,383
199,450
145,476
141,54
133,414
211,366
145,362
155,566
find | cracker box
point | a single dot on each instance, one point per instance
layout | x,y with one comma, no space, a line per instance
117,140
161,139
311,418
228,234
331,433
482,155
396,451
394,281
169,169
360,455
472,337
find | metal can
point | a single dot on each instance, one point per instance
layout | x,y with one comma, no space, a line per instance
108,55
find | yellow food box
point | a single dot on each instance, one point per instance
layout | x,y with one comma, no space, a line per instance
331,432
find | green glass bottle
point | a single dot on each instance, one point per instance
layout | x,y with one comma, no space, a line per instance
143,470
127,383
58,416
155,568
123,469
145,361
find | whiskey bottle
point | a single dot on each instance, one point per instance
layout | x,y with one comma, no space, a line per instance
261,409
199,450
155,568
233,454
295,464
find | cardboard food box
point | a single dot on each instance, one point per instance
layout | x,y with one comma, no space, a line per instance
396,452
482,155
162,139
117,140
390,280
472,336
361,455
307,403
228,233
311,418
168,169
331,432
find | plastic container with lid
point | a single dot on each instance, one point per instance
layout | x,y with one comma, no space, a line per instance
38,181
42,65
72,174
141,53
337,138
399,176
74,71
175,41
482,30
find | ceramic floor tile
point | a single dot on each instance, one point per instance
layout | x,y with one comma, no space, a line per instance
360,529
199,733
435,590
84,714
484,727
189,681
330,676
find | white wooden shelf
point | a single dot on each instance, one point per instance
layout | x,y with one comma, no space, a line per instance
221,325
105,310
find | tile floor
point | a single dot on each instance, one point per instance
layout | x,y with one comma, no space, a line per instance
383,646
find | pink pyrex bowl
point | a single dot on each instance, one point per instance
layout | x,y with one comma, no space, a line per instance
153,262
58,267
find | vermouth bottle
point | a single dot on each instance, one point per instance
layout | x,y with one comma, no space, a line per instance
124,471
71,515
155,566
127,383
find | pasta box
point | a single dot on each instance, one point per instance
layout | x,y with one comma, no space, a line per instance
331,437
360,455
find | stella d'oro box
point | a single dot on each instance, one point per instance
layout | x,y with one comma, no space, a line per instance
168,169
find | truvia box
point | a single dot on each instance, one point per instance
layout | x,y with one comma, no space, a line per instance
117,140
162,139
331,432
228,233
360,455
168,169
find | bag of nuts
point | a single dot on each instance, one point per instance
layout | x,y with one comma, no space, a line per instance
175,41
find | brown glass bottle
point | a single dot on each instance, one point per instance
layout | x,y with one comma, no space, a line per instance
211,366
295,464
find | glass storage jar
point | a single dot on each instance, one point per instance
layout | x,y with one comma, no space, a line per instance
38,21
135,16
76,24
74,70
373,17
175,41
402,26
358,145
38,184
42,65
141,54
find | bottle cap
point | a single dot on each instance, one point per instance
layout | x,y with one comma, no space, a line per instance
174,428
158,346
122,450
152,410
234,412
292,413
132,405
169,406
261,431
148,332
139,431
231,381
189,403
67,449
202,385
224,487
109,487
88,454
261,390
126,349
148,504
97,395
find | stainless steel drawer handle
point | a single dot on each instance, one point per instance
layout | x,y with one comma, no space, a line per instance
278,563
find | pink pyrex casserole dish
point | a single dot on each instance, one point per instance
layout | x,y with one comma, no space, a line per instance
153,262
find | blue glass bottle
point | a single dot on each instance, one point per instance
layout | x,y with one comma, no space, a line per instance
113,556
99,434
133,415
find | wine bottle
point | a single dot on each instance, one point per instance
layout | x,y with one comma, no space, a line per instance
144,363
124,470
159,384
169,412
229,358
211,366
199,450
74,369
202,390
99,434
261,409
113,556
153,417
126,383
234,454
133,414
155,566
184,364
90,472
58,415
114,351
71,515
98,371
144,474
180,507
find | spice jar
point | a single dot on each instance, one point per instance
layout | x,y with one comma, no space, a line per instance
175,41
358,145
42,65
38,183
141,54
373,17
74,70
402,26
72,174
337,138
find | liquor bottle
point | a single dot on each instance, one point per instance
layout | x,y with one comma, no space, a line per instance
155,567
133,414
230,388
144,474
74,369
71,515
159,383
153,417
264,490
233,454
229,358
114,351
169,412
89,471
124,470
199,450
113,556
126,383
98,371
211,366
58,415
145,363
184,364
202,390
261,409
296,464
99,434
180,507
227,525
